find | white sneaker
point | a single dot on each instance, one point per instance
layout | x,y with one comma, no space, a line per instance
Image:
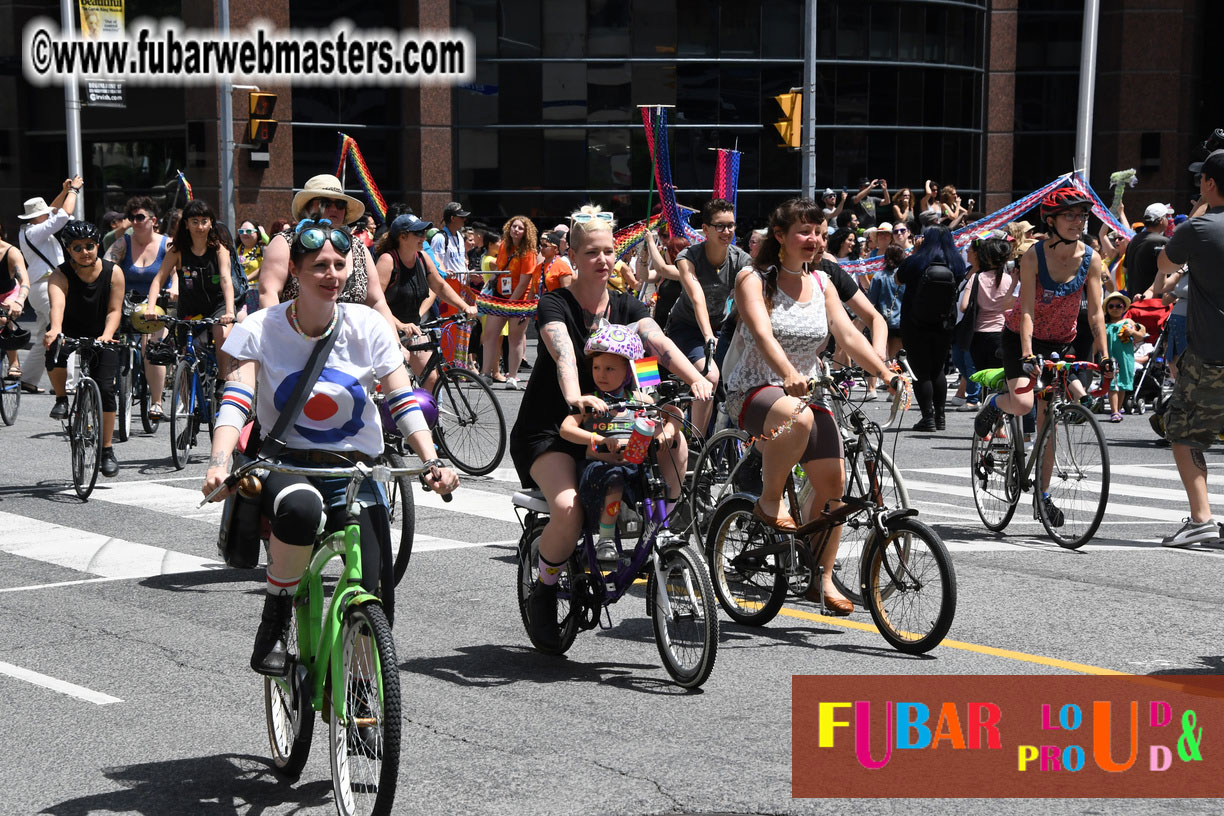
968,407
956,402
1193,532
512,384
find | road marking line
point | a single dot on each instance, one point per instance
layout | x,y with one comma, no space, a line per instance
1010,654
1116,487
55,684
1112,509
74,583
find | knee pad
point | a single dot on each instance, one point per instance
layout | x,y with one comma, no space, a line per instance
297,515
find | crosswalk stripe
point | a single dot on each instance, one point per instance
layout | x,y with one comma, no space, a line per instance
1111,509
1117,487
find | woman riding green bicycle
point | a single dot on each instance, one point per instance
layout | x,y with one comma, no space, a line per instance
338,425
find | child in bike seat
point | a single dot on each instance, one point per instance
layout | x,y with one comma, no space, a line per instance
606,478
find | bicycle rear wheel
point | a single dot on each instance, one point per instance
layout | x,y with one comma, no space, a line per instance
183,422
471,429
141,396
401,513
86,436
685,615
528,572
874,478
1079,475
289,713
10,400
994,472
710,479
365,745
750,587
909,587
123,405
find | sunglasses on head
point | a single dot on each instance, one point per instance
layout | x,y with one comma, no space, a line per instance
582,218
313,234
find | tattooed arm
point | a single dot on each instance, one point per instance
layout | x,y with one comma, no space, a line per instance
672,359
225,437
561,347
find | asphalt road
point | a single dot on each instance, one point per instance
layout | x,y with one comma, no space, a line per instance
122,597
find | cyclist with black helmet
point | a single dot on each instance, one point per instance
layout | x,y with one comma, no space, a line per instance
86,294
1043,321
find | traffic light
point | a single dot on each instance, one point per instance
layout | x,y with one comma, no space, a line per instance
790,128
261,129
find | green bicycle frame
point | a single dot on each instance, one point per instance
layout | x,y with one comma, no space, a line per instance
318,634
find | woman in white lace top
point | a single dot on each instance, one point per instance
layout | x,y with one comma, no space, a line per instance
785,324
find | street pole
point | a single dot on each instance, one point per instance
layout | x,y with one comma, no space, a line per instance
72,112
227,128
1087,87
808,135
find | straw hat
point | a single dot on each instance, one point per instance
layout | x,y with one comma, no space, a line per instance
325,186
1126,301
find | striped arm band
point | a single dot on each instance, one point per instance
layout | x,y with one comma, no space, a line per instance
406,411
235,408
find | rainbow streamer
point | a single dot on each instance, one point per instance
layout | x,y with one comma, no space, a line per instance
350,150
626,239
185,185
726,174
655,121
647,372
505,308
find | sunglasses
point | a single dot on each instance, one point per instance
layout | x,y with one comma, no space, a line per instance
900,231
138,218
723,227
313,234
334,203
582,218
1117,306
246,232
89,247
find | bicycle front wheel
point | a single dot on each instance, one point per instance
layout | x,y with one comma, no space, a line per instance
289,713
712,474
183,422
685,615
86,422
994,472
141,396
365,742
401,513
874,477
750,587
1072,450
471,429
123,403
908,586
10,400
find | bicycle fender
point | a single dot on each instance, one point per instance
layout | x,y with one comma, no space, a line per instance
893,516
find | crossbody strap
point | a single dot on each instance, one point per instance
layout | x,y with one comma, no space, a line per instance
25,239
273,443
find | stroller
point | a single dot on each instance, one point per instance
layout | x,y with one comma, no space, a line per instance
1150,384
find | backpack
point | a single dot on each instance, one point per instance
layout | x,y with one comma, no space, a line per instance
934,301
241,285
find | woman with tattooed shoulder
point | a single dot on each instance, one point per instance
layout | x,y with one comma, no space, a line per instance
542,458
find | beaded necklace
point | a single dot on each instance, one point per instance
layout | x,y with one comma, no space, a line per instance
293,321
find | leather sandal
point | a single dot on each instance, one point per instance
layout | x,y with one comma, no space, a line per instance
838,607
785,524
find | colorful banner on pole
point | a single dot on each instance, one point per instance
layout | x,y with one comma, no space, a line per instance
655,121
726,174
350,150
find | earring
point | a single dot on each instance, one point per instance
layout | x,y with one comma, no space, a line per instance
782,255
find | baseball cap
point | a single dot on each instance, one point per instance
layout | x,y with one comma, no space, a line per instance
110,217
408,223
1212,166
1157,211
454,208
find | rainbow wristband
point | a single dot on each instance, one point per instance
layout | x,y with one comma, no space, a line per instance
406,411
236,402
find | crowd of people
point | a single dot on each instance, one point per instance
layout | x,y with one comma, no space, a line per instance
749,322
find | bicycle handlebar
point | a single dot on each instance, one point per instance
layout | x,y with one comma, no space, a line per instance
199,322
380,473
1068,365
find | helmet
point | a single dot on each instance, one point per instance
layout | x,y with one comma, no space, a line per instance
80,231
429,408
143,324
160,352
1063,199
14,338
613,338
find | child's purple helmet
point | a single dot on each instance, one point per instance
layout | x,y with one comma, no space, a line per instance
614,338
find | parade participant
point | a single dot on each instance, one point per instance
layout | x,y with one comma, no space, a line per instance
273,346
556,271
14,289
542,457
140,255
518,263
251,240
86,294
786,318
43,256
1043,321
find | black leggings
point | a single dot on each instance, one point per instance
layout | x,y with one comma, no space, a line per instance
928,356
295,507
103,369
984,349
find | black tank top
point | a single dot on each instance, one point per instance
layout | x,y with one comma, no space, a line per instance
199,283
86,304
7,281
407,289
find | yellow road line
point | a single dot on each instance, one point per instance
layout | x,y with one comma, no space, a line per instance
1009,654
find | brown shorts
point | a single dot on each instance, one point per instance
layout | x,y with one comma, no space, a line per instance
824,442
1196,410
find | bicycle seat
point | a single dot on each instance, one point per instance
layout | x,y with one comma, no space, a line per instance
532,500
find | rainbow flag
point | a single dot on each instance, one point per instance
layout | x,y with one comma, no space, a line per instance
349,150
186,185
646,370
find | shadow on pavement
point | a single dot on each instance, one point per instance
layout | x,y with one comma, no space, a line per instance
201,580
222,784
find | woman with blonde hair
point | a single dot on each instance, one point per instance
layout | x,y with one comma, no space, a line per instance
518,265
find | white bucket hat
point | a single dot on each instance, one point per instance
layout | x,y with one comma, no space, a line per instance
35,207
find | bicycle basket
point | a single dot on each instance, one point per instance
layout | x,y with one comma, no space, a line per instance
161,352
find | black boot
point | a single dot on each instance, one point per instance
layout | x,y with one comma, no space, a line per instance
270,656
926,424
939,419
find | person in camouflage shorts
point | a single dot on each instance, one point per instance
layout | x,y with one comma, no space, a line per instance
1196,411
